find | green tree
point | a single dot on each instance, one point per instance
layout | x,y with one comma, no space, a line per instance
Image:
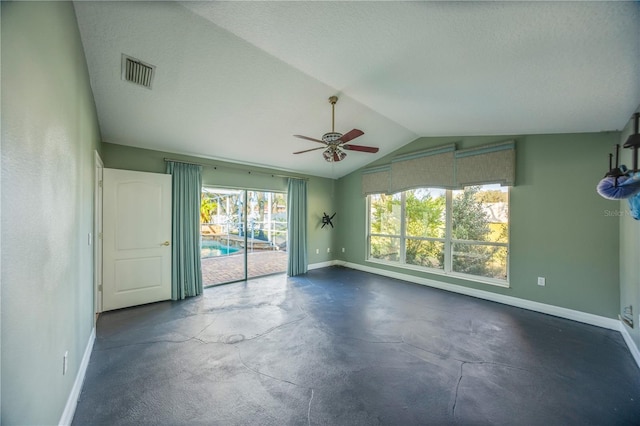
385,214
425,218
385,219
207,208
471,222
491,196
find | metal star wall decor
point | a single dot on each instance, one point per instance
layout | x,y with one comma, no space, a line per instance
326,220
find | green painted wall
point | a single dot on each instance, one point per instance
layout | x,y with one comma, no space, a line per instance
320,191
559,225
629,249
49,134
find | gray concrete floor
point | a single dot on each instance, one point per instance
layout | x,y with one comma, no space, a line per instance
343,347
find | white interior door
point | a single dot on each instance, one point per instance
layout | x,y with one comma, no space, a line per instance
136,238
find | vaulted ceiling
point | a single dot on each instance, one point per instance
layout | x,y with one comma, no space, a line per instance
235,80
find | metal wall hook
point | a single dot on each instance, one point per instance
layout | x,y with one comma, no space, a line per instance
633,141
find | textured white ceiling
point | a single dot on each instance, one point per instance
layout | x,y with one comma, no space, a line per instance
235,80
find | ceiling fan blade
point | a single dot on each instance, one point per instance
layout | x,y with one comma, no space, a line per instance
352,134
361,148
309,139
307,150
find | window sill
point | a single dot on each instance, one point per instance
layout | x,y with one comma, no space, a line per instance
456,275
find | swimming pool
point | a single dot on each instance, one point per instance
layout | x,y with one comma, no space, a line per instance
210,248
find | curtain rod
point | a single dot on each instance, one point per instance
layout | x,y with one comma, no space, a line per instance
235,168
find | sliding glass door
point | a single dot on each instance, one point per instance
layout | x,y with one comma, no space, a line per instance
266,233
243,234
221,241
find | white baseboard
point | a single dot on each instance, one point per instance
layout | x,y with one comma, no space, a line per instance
72,401
323,264
557,311
635,352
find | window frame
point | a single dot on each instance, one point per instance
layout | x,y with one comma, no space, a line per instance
448,240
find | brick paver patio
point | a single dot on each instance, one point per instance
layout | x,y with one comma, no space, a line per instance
223,269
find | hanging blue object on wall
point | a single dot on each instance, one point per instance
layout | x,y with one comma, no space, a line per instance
634,206
618,187
619,182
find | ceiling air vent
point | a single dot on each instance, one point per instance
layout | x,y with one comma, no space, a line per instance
137,72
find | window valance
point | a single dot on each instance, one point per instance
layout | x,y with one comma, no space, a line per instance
375,180
443,167
486,164
435,166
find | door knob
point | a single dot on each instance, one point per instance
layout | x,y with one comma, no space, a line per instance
166,243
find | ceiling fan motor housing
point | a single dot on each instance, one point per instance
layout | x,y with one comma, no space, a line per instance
331,137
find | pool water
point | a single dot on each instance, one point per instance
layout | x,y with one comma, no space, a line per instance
210,248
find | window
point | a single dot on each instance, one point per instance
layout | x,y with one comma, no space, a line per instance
456,232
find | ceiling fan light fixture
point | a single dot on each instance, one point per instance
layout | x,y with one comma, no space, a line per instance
334,154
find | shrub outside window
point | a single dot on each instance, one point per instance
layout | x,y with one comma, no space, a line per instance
456,232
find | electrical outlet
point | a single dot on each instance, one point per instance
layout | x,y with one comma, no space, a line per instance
328,250
542,281
343,249
64,362
317,251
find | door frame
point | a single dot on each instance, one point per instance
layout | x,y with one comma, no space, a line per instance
97,234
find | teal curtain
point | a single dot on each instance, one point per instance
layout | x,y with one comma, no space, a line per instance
186,275
297,223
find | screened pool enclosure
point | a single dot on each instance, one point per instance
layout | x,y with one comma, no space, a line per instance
243,234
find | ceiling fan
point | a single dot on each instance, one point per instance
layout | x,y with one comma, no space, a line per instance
335,142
